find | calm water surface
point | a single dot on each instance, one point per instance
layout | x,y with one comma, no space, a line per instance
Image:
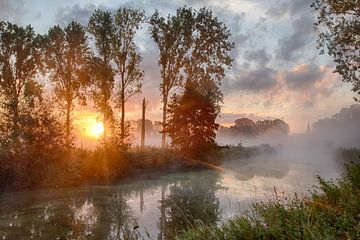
158,208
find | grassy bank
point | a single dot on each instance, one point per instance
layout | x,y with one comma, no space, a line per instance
331,212
30,170
99,166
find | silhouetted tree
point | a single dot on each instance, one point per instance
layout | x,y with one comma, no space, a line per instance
127,22
276,126
208,55
66,52
339,31
245,126
191,124
100,70
194,46
19,63
171,35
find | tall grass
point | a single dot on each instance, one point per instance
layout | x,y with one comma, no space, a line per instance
331,212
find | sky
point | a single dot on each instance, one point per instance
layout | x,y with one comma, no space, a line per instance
277,70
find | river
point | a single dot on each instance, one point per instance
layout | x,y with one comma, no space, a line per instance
157,208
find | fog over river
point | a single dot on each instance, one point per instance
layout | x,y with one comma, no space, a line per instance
163,205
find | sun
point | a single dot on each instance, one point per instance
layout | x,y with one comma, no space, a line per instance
96,130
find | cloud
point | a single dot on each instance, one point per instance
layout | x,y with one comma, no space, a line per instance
77,13
261,57
290,46
289,7
261,79
11,10
311,85
303,76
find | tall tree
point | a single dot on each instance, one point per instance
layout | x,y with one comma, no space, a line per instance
127,22
101,72
209,54
171,35
338,24
194,45
66,51
19,62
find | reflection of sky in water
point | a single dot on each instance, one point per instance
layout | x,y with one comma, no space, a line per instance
160,204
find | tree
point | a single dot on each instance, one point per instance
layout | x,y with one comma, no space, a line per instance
245,127
19,64
193,46
101,73
191,124
276,126
126,56
338,23
171,35
208,55
66,52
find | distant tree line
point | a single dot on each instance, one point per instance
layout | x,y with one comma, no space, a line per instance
340,130
245,127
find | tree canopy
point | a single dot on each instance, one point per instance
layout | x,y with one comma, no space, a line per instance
338,24
194,46
66,54
191,123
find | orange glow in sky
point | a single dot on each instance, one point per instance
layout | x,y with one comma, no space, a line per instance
88,125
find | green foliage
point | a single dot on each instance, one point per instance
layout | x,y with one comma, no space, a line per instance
332,213
338,23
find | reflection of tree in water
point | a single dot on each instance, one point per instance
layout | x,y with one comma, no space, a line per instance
108,218
121,221
189,201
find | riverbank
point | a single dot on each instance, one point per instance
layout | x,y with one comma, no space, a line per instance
331,212
107,166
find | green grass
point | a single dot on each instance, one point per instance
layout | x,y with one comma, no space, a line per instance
331,212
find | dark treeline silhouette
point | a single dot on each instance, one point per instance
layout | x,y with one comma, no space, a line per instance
246,128
100,63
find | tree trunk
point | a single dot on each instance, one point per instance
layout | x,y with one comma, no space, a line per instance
15,109
142,144
106,125
163,137
15,123
68,125
122,123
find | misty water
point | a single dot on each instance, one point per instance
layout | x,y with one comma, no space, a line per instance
159,207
